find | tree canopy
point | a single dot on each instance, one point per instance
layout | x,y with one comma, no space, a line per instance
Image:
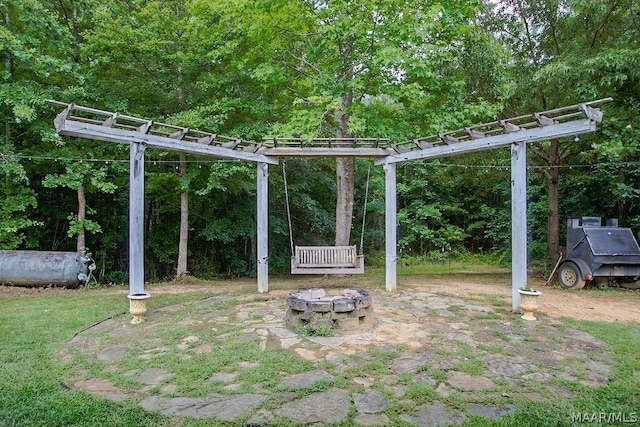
251,69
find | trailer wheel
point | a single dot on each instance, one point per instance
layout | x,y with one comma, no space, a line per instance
570,276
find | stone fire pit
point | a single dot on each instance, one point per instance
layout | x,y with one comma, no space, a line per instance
350,311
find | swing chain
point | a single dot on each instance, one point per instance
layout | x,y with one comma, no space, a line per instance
286,198
364,212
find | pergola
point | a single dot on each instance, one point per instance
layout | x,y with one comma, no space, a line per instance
515,132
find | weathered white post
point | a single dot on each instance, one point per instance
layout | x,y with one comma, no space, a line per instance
137,296
390,224
262,213
518,221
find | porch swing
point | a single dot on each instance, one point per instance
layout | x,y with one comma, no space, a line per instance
325,259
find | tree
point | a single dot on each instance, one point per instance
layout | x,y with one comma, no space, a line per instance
77,176
35,65
17,200
170,61
340,61
564,52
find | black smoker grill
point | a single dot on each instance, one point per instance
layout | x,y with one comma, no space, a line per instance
596,251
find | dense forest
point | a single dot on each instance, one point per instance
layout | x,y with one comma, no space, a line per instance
311,68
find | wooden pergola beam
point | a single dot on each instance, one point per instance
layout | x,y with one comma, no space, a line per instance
279,151
102,133
559,130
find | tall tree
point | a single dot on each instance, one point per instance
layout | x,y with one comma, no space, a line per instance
341,60
161,55
35,65
77,176
564,52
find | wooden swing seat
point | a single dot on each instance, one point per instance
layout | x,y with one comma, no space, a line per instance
327,260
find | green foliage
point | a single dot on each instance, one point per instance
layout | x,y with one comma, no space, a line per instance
396,70
310,330
18,200
443,209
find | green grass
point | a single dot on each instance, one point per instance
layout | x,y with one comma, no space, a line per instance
311,330
449,268
37,362
34,330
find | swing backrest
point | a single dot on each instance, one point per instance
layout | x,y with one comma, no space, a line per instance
327,260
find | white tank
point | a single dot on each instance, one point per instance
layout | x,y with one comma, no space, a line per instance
42,268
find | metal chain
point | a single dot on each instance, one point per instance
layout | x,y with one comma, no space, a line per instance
364,212
286,198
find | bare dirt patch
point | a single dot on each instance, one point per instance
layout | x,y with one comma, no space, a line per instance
610,305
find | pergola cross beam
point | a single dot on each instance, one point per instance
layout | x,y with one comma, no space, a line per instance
560,130
556,123
114,127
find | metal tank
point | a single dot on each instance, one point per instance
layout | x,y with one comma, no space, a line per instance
42,268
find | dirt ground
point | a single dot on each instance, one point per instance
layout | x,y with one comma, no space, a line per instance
610,305
614,305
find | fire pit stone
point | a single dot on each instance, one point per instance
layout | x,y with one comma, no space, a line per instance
349,312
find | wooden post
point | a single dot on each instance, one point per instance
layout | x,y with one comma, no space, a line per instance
390,225
136,218
262,220
518,221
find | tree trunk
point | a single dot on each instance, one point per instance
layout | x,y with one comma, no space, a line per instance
550,160
345,182
345,178
184,223
82,210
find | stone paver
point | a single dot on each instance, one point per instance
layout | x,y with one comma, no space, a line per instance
410,364
329,406
327,341
102,388
370,402
594,379
283,333
464,381
261,417
83,342
223,407
583,337
490,411
422,331
424,378
372,420
435,414
364,381
508,365
113,353
459,337
479,308
306,379
153,376
600,367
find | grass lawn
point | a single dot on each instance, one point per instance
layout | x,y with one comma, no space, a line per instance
36,327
